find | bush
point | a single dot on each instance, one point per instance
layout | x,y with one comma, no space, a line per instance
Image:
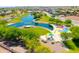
75,32
70,44
68,23
3,23
76,41
55,21
42,49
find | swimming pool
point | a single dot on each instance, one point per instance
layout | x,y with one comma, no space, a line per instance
64,30
28,20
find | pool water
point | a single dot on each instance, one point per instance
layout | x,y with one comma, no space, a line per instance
64,30
28,20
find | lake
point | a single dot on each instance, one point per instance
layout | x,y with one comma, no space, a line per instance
28,20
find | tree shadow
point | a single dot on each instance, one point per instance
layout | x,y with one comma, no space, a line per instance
14,43
76,41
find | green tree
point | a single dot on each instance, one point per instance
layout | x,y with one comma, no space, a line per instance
70,44
9,33
55,21
68,40
31,41
75,34
68,22
12,33
2,32
37,14
66,36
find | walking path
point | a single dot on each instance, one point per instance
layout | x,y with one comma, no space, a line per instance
56,47
56,34
3,50
13,49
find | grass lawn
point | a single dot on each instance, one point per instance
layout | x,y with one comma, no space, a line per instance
44,19
18,19
38,30
1,17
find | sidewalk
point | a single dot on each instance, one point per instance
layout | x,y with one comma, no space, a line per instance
2,50
56,47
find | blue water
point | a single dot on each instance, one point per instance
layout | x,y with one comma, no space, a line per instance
64,30
28,20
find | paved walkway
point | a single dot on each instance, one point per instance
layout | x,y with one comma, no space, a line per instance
13,49
56,47
2,50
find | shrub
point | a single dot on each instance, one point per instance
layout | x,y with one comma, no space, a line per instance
70,44
68,23
42,49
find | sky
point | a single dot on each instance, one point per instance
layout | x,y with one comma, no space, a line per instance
36,2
